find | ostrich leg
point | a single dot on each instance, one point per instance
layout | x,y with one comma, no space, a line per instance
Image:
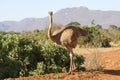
72,65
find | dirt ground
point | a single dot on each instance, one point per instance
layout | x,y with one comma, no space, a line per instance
109,59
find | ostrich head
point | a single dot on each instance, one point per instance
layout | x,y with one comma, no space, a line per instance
50,13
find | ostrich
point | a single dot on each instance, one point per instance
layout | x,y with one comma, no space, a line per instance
67,37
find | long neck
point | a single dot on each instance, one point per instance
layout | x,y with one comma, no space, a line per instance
50,28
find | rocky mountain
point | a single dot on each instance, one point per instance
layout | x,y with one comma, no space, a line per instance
82,15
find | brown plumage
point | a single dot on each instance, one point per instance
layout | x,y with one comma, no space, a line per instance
66,36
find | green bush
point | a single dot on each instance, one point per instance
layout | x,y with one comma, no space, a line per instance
97,37
24,56
56,59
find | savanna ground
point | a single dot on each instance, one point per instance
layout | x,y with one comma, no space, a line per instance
109,59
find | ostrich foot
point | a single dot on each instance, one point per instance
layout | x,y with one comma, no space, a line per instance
70,73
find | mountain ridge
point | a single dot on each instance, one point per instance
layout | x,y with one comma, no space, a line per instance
83,15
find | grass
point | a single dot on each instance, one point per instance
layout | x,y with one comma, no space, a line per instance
92,62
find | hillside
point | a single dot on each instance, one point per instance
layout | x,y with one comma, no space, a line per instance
82,15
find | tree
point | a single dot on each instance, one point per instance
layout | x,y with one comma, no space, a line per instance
99,26
112,27
93,22
77,24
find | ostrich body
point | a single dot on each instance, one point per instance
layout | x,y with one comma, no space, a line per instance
66,36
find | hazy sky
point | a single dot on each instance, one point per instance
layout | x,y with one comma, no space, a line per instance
20,9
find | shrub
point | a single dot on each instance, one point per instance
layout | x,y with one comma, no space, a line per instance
23,56
92,62
56,59
97,38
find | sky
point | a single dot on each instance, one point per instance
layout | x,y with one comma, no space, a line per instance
17,10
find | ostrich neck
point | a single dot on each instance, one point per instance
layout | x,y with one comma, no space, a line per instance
50,28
